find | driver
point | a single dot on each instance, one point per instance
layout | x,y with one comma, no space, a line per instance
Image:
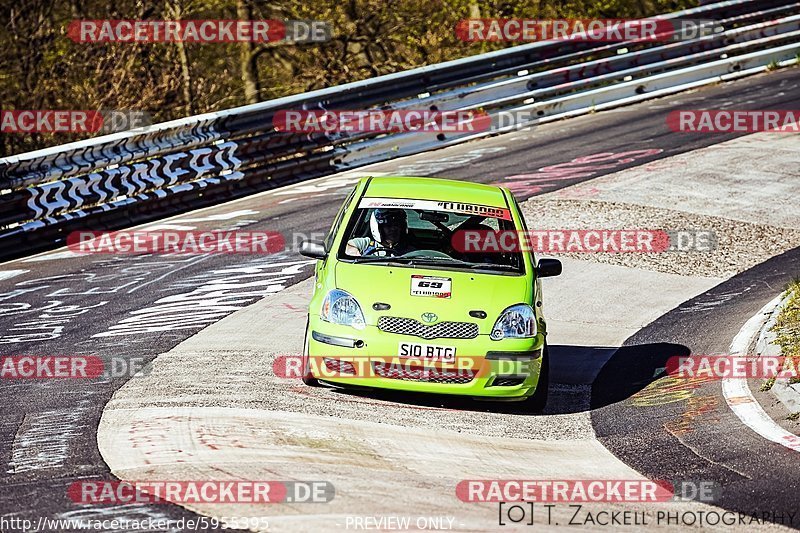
389,235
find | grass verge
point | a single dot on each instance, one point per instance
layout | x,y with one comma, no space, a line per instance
787,327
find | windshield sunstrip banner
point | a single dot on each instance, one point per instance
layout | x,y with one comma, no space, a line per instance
434,205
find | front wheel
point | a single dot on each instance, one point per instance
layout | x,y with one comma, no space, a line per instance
537,402
308,378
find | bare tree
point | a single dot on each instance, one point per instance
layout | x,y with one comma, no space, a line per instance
174,11
248,57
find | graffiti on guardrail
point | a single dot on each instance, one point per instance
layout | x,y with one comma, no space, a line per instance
129,180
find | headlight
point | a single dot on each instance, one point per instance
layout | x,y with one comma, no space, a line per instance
340,307
516,322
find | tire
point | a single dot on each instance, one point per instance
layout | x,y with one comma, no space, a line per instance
538,400
308,378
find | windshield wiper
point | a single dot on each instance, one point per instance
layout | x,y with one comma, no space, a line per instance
435,261
493,266
418,260
379,259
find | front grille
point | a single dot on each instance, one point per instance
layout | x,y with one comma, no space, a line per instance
340,367
442,330
428,375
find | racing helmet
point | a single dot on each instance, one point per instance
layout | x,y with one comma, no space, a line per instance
383,218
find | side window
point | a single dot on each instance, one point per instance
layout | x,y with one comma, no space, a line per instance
493,223
338,220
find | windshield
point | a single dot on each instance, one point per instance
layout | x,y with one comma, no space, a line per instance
421,232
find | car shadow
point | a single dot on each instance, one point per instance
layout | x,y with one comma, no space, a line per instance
582,378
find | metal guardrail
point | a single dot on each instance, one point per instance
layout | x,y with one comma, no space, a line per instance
129,177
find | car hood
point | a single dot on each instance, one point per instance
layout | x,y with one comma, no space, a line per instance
470,291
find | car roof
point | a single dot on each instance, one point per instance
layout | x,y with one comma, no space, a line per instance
419,188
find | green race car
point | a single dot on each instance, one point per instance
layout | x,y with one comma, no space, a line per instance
401,303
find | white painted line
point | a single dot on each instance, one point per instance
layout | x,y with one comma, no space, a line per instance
738,395
162,227
47,256
8,274
220,216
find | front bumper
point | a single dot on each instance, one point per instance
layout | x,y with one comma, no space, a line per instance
483,368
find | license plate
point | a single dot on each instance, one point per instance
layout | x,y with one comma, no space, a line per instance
427,352
432,286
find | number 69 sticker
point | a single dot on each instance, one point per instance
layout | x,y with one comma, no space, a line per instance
431,286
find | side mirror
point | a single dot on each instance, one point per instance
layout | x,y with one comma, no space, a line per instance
548,267
313,249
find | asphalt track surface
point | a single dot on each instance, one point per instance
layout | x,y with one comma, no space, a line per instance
751,470
70,305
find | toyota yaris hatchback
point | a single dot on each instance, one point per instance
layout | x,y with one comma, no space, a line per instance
397,305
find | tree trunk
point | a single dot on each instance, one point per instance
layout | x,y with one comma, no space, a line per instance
188,97
248,58
176,13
